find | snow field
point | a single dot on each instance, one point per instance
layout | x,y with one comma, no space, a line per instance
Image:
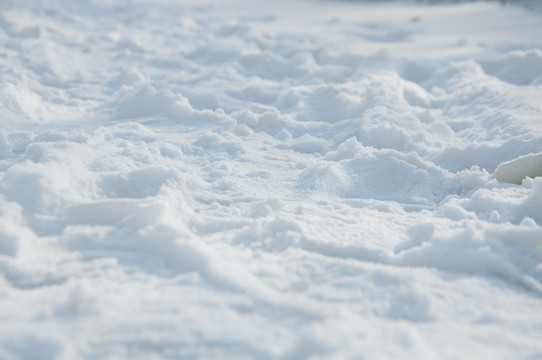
231,180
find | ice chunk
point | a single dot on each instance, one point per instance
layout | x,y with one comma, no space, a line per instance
514,171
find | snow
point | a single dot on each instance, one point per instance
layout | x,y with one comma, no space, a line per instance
270,179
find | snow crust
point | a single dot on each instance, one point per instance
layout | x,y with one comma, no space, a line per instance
270,180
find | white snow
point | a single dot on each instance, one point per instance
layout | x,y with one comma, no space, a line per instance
280,179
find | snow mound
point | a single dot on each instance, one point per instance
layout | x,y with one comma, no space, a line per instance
518,67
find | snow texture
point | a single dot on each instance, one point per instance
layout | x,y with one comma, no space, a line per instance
280,179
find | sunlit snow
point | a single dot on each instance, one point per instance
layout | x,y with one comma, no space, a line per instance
237,179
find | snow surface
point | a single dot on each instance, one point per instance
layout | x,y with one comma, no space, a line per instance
244,179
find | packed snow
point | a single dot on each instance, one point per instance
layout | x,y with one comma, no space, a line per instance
280,179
